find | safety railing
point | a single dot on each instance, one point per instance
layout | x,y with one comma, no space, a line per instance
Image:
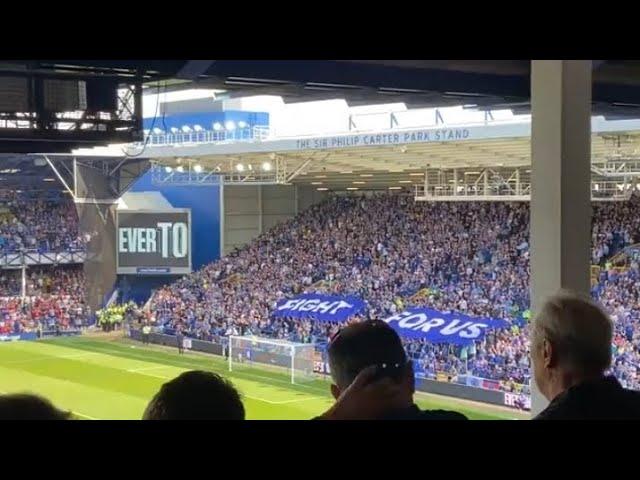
247,134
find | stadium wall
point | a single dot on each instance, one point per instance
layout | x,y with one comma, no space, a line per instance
204,202
241,216
460,391
308,196
250,210
170,341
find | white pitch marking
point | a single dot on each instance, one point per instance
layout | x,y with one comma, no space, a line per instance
50,358
281,402
164,377
144,369
84,416
272,402
2,392
79,355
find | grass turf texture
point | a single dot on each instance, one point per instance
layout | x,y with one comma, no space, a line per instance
115,379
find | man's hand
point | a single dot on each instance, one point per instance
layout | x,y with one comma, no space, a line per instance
365,399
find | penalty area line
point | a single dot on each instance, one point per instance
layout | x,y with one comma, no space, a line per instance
259,399
144,369
283,402
83,415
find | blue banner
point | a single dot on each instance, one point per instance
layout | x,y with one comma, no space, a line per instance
439,327
326,308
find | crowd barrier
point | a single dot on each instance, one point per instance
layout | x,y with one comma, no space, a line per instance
170,340
447,389
60,333
438,387
18,336
14,337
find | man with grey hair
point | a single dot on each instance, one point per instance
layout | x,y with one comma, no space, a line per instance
570,352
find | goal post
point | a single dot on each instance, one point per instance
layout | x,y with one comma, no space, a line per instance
295,359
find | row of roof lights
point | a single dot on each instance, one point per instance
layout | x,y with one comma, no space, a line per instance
324,189
266,166
413,174
229,126
360,182
365,175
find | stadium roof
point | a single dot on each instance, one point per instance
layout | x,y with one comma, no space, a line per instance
20,171
380,159
417,83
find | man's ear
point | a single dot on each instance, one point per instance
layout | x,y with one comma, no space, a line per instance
335,391
549,354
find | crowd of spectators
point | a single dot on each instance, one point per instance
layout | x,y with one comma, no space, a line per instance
53,296
55,300
616,225
38,224
619,294
393,252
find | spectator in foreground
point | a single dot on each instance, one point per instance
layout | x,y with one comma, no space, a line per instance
22,406
196,395
571,350
373,379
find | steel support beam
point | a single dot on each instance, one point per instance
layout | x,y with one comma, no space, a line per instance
193,69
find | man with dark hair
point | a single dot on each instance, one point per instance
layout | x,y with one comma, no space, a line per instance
372,377
22,406
196,395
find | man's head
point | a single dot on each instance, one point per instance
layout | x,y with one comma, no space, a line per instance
363,344
570,342
22,406
196,395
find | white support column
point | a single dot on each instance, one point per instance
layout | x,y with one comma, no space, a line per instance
560,200
426,182
455,182
23,287
485,174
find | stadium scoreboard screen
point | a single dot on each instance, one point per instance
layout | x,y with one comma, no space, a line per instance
153,242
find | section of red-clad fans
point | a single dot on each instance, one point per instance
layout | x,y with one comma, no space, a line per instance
40,222
55,299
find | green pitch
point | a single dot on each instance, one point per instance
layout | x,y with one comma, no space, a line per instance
115,379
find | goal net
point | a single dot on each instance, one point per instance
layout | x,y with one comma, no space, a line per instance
294,359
